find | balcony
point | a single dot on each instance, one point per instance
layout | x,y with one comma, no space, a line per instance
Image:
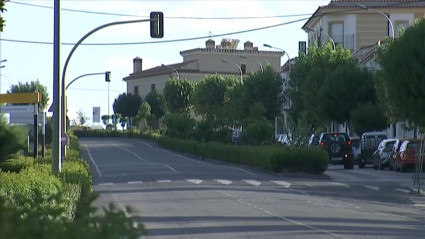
347,41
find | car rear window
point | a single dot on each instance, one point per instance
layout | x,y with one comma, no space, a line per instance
389,145
413,145
335,137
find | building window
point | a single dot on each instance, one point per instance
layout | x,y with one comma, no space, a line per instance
336,31
136,90
243,68
399,26
152,87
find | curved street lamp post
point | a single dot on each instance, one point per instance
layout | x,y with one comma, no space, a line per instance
174,69
240,69
258,62
383,14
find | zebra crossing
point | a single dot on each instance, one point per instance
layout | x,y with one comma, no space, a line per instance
299,185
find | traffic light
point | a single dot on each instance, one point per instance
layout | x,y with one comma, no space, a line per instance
157,24
108,76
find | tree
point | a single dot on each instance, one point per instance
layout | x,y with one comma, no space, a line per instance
401,83
156,101
368,117
178,95
127,105
308,75
81,119
144,111
123,122
105,119
211,95
347,87
30,87
116,119
2,10
265,88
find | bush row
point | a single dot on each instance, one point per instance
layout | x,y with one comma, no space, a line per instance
270,157
34,203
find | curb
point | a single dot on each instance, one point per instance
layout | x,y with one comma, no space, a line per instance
287,175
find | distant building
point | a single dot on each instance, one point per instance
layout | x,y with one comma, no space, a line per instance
199,62
353,27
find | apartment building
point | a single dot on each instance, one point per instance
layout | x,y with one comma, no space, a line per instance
357,24
225,59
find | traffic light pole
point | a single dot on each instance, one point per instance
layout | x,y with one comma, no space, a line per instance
62,99
81,76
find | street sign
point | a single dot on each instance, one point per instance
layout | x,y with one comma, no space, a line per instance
64,139
21,98
25,118
17,109
96,115
236,135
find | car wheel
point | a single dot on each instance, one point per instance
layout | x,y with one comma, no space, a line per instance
402,169
396,167
391,166
361,164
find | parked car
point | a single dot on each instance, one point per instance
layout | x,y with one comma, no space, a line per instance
284,139
338,146
368,144
407,157
382,154
395,153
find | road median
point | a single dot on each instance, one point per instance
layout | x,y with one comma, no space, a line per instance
287,161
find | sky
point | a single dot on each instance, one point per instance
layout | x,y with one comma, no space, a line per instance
29,62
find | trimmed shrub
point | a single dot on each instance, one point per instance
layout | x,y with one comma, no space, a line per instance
270,157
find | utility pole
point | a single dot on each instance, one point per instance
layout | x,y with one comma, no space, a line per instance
57,95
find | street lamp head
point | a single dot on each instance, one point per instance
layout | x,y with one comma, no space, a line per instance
2,66
267,45
3,61
361,6
225,61
244,57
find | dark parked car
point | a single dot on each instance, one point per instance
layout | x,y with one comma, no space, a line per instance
339,148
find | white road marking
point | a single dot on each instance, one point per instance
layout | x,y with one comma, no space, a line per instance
119,204
93,162
243,170
281,217
252,182
137,156
372,187
134,182
172,169
223,181
164,181
105,184
308,185
282,183
133,174
339,184
419,205
402,190
195,181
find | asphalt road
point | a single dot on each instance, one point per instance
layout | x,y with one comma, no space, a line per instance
178,196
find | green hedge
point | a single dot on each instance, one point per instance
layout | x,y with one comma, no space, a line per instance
34,203
270,157
273,158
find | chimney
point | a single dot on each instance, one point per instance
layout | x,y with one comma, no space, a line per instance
255,48
248,46
210,44
137,65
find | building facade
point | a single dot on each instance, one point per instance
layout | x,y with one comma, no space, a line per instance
224,59
356,24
